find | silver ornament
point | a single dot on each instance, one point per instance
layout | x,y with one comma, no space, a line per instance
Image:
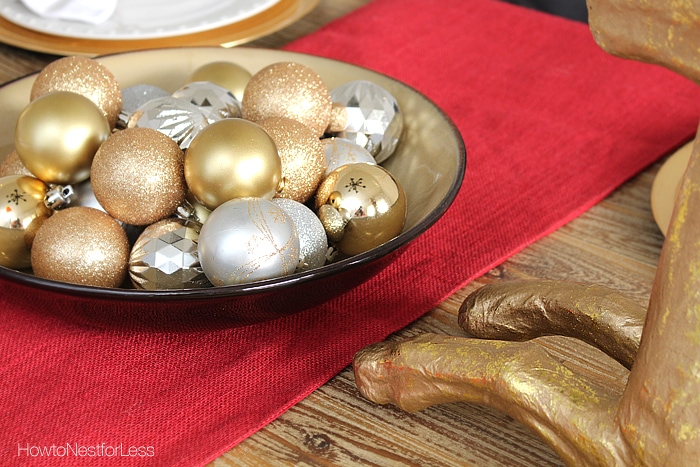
165,257
175,118
340,152
215,102
248,239
134,97
313,243
374,120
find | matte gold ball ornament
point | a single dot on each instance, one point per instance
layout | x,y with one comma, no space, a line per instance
138,177
302,156
361,206
57,136
228,75
81,245
288,89
232,158
84,76
22,210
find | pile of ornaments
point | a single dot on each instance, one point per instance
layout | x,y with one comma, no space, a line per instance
233,178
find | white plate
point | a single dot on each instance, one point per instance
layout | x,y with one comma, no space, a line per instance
142,19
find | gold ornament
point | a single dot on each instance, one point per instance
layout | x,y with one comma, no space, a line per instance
22,211
291,90
12,165
369,201
81,245
232,158
57,135
301,152
137,176
226,74
84,76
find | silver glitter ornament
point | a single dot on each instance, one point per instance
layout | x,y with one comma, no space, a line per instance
313,243
340,152
374,120
134,97
215,102
248,239
175,118
165,257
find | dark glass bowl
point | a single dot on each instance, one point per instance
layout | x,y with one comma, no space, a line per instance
429,163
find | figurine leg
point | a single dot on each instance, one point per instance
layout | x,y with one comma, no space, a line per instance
520,379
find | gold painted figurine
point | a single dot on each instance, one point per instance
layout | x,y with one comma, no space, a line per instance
656,420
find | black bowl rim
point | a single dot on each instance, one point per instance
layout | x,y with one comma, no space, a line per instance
267,285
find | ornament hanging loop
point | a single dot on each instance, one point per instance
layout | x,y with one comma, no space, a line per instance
187,212
58,196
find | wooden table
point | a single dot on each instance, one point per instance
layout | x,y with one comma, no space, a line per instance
616,243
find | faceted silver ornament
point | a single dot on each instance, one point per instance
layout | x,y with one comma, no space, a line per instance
165,257
248,239
340,152
313,243
134,97
215,102
374,119
175,118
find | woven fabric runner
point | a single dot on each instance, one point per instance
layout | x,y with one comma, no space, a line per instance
551,124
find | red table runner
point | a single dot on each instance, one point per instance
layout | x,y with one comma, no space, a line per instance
551,124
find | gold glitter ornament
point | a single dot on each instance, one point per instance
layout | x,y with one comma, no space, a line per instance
84,76
232,158
22,210
12,165
81,245
137,176
368,200
302,156
288,89
226,74
57,135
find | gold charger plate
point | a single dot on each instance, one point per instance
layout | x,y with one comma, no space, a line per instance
665,186
280,15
